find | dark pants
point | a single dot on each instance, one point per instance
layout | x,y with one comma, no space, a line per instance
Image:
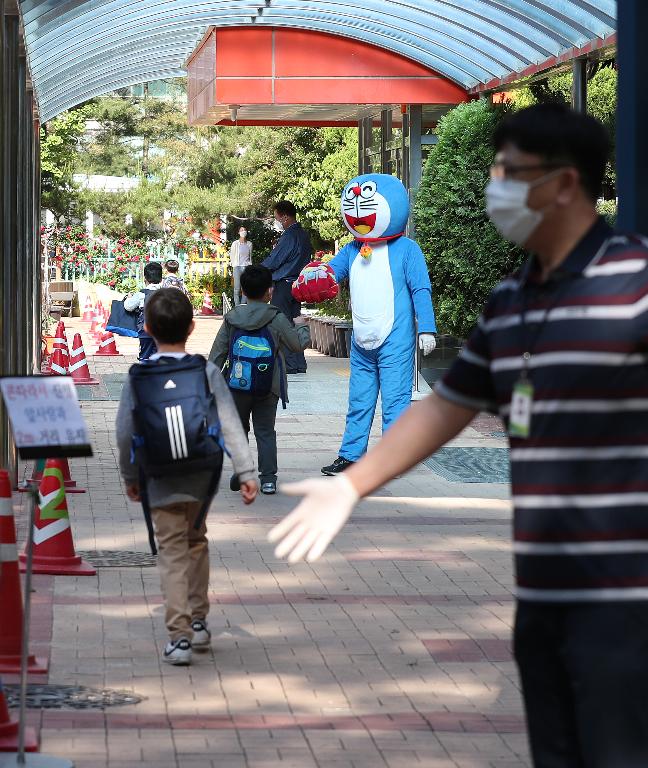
147,347
264,414
584,673
283,299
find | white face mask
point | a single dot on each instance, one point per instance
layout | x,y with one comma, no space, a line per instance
278,226
506,206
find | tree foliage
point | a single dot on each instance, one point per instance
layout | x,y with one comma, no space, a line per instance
59,140
466,255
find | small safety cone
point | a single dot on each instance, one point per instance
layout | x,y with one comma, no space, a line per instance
78,365
60,339
9,730
207,307
107,345
97,322
53,545
88,312
11,605
37,476
59,364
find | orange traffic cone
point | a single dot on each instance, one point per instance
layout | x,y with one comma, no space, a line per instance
59,364
60,339
53,546
107,345
97,320
9,730
11,606
37,476
87,311
78,366
207,307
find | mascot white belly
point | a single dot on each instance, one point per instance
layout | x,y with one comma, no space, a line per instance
372,291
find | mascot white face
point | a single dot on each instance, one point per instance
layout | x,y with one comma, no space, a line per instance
374,205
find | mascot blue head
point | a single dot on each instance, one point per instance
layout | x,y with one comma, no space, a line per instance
375,206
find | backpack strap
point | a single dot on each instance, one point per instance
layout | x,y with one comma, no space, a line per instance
146,508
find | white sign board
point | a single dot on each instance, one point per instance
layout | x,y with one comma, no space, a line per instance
45,416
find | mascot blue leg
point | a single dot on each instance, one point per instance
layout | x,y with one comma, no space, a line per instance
396,370
363,395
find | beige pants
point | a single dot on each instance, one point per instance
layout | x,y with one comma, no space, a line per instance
183,563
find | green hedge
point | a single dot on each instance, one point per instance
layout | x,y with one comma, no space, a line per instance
466,255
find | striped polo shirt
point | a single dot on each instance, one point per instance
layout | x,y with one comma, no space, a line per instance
580,480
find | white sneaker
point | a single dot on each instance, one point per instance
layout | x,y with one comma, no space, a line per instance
201,635
178,653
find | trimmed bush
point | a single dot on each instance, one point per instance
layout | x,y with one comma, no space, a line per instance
466,255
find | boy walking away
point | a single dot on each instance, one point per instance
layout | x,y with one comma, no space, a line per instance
251,344
175,412
136,302
172,280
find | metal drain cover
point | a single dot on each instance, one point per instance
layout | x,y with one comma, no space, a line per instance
104,558
72,696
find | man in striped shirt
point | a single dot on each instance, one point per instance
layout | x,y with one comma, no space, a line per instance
561,353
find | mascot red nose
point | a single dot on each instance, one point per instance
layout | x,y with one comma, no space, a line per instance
316,283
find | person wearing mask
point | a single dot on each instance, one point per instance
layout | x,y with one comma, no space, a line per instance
560,352
286,260
240,258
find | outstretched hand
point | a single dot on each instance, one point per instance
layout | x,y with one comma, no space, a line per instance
308,530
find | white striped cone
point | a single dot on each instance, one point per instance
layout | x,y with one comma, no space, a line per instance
88,312
207,307
11,607
60,339
107,346
59,365
78,367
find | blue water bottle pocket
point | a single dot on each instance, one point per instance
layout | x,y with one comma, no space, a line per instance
241,375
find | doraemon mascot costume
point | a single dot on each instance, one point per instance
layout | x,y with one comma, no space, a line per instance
390,287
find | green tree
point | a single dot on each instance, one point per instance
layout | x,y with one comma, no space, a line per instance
60,138
466,255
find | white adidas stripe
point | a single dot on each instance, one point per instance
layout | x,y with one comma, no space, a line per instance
177,435
170,428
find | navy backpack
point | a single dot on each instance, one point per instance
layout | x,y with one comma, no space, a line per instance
251,361
177,430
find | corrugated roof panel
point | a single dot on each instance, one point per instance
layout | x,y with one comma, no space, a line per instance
81,48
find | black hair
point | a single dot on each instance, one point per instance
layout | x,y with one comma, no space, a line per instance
172,265
168,314
255,281
286,208
560,136
153,272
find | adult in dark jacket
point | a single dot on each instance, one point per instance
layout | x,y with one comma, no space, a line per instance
286,260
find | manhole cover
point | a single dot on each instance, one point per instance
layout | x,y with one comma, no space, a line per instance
104,558
471,465
72,696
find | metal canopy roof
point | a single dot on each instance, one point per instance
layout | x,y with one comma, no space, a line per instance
78,49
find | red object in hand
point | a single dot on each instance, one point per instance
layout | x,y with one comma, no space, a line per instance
315,283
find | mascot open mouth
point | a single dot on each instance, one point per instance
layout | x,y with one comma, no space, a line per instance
361,225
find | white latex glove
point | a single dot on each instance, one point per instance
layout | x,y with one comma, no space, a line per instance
427,343
308,530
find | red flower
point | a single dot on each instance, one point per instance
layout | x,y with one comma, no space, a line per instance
112,283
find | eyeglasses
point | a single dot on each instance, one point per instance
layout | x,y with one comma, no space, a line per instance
502,170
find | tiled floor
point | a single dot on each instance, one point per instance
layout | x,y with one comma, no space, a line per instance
393,650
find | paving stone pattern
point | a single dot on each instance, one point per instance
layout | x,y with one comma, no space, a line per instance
392,651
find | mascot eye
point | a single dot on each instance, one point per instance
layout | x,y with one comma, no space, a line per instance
349,194
368,190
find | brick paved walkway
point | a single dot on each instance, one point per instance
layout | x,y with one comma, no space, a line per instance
391,651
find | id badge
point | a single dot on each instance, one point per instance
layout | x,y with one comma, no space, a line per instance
521,405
